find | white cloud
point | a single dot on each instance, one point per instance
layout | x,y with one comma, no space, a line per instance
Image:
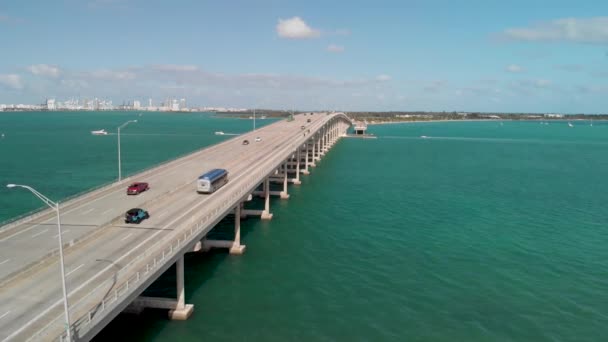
75,84
335,48
383,78
295,28
11,80
105,74
514,68
175,67
44,70
579,30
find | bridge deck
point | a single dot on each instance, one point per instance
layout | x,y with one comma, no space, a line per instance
105,253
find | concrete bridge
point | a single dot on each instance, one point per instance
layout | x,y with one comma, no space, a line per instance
109,264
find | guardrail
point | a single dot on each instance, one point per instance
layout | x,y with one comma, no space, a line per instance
142,266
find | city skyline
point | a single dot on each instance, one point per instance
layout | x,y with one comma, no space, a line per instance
521,56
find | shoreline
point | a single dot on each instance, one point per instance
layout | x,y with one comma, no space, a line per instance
419,121
475,120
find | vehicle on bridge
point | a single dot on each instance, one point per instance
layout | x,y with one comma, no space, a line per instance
308,120
245,142
258,139
136,215
137,188
212,180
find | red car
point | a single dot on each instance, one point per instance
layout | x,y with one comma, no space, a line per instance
137,188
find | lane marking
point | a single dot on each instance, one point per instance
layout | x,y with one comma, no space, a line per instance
4,315
162,214
40,232
126,237
5,261
87,211
62,233
107,211
74,270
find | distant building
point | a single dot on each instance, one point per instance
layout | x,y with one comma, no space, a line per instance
136,105
50,104
174,105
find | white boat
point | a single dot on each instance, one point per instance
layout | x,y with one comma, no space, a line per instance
219,133
423,136
571,125
99,132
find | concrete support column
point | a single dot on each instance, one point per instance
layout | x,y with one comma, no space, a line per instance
299,160
284,194
181,291
181,311
307,154
318,148
266,215
236,247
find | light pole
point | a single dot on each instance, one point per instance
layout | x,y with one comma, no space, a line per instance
119,127
54,206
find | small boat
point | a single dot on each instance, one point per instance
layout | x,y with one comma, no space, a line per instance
219,133
571,125
423,136
99,132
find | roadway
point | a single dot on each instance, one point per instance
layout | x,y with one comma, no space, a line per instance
102,241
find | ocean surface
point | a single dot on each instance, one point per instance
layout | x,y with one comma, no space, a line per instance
484,231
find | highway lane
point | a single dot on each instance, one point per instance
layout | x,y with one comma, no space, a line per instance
28,296
38,240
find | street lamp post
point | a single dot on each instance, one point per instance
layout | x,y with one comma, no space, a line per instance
54,206
119,127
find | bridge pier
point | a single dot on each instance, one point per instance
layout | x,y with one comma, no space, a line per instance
235,246
266,215
296,180
307,156
182,310
284,194
178,309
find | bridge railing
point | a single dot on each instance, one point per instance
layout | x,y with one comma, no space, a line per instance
129,278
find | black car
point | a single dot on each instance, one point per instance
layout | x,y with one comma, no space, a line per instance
136,215
245,142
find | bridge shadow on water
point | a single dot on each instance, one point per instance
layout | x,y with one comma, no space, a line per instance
199,268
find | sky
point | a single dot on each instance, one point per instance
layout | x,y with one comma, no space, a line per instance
356,55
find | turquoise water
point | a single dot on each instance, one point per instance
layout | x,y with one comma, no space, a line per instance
481,232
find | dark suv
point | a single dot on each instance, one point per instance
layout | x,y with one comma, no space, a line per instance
136,215
137,188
